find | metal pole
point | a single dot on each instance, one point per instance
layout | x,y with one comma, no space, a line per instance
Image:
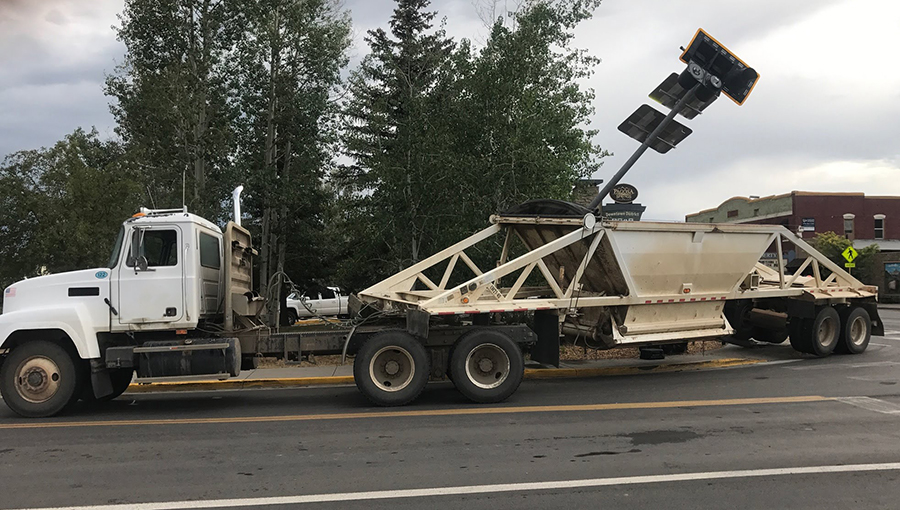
640,151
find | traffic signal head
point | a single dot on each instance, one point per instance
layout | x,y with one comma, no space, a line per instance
716,68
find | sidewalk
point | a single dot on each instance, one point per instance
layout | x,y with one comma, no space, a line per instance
295,377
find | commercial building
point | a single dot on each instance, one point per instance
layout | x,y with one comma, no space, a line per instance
865,220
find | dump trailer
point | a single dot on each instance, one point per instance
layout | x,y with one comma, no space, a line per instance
176,302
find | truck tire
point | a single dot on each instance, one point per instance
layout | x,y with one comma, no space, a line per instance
818,336
736,312
856,330
391,368
38,379
487,366
291,316
772,336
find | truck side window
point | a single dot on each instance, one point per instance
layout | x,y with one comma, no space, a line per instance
160,248
327,294
209,251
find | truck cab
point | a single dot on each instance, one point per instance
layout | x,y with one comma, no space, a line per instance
82,334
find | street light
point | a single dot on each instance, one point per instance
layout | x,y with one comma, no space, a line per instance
711,69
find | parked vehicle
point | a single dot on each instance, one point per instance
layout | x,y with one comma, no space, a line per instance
328,301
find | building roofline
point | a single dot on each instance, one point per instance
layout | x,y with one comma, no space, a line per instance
745,199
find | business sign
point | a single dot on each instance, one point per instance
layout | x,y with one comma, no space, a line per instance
623,212
808,225
624,194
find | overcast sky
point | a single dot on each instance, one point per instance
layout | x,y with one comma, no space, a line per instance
825,115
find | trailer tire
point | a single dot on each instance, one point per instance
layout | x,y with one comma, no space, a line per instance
38,379
391,368
820,335
736,312
772,336
487,366
799,332
856,330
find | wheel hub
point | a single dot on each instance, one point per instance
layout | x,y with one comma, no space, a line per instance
391,367
37,379
487,366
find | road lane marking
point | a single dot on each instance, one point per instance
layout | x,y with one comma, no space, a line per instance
425,412
487,489
831,366
871,404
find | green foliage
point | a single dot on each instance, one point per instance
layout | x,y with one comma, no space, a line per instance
442,135
171,98
60,207
833,245
286,69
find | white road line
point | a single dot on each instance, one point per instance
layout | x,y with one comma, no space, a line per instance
484,489
832,366
871,404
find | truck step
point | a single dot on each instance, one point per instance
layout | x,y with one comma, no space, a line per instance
180,378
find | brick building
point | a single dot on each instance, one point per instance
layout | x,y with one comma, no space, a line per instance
865,220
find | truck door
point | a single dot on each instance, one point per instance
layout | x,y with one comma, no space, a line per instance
329,303
151,284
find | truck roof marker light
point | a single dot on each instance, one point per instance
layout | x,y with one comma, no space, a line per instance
139,215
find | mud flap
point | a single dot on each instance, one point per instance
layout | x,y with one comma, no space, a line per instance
546,350
100,381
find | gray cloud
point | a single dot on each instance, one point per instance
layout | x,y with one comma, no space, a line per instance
820,119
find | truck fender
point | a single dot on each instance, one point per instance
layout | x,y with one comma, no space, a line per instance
70,320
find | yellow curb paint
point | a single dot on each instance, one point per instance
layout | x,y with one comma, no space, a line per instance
427,412
531,374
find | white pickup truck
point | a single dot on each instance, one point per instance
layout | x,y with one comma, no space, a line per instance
325,301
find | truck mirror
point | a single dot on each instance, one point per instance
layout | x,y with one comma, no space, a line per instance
136,257
135,247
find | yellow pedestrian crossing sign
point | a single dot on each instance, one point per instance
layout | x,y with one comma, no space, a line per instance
850,254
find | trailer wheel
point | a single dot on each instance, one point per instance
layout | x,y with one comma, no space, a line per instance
391,368
487,366
856,330
38,379
736,312
772,336
818,336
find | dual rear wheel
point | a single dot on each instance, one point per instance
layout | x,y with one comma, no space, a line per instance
392,368
847,331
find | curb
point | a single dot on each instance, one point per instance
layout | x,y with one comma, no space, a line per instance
530,374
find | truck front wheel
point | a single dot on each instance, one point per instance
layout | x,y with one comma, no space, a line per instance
38,379
487,366
391,368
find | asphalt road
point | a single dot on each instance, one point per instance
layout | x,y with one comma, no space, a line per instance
794,433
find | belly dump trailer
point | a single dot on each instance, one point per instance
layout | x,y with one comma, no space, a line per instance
176,300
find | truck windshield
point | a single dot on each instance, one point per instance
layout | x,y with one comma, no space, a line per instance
114,257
